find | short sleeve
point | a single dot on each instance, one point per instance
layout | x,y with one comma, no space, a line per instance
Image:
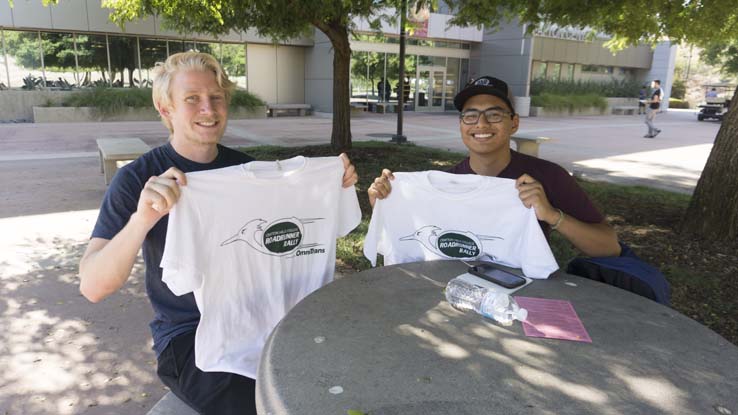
184,257
119,203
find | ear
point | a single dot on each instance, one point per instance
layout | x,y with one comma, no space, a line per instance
165,112
515,123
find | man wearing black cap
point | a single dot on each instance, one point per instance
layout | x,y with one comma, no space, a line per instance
487,121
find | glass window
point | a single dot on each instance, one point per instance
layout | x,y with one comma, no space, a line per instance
233,59
211,48
452,81
464,75
176,46
152,51
411,69
92,57
124,61
4,81
59,60
360,85
541,72
555,73
24,59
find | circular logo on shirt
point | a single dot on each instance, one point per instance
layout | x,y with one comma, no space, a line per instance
456,245
282,237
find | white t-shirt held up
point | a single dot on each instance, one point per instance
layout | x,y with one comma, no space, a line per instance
250,241
433,215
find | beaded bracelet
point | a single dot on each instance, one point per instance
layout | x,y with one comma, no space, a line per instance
558,222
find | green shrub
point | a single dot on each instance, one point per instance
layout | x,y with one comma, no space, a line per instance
245,99
614,88
110,100
678,103
568,102
678,89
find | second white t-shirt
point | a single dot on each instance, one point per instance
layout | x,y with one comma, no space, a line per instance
250,241
434,215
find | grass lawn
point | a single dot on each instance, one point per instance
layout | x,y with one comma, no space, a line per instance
703,275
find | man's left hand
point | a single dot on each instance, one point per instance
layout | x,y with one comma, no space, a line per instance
532,195
349,171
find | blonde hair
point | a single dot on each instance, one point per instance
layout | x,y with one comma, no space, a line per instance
185,61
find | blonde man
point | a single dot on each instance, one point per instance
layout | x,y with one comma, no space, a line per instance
191,93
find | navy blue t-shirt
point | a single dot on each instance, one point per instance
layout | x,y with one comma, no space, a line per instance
173,315
561,189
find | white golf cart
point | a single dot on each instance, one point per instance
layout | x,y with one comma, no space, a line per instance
717,101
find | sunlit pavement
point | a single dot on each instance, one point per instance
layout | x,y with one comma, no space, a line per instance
63,355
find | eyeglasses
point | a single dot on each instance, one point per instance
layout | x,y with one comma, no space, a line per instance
492,115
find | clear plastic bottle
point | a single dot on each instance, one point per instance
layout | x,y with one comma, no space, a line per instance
501,308
463,295
495,305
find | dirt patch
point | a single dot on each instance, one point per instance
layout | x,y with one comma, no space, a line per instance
703,274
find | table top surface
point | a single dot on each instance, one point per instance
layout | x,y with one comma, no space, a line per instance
385,341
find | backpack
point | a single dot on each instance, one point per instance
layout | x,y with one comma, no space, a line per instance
626,271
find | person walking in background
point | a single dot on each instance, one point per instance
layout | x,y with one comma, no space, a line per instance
654,104
642,100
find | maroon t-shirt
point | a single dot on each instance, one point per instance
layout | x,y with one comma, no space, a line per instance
561,189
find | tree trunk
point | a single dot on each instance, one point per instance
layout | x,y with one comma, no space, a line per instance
341,134
713,211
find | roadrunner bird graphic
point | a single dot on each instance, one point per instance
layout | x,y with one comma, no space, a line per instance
280,237
450,243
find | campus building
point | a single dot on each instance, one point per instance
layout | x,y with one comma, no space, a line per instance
74,43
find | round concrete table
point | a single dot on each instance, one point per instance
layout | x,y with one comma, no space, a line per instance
385,341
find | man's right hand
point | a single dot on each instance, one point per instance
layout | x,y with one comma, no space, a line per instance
381,187
106,264
159,195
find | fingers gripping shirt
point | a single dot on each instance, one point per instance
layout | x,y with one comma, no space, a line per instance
250,241
434,215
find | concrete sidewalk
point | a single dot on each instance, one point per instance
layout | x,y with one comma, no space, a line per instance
60,354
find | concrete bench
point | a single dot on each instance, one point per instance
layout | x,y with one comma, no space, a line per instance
383,107
358,108
528,143
625,110
118,150
170,404
301,109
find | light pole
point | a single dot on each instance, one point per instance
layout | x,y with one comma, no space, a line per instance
399,138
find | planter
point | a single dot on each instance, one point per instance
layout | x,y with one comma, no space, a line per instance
522,106
17,105
551,112
88,114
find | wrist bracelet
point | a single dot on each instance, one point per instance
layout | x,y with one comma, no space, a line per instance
558,222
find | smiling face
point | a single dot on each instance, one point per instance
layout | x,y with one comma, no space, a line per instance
485,140
198,110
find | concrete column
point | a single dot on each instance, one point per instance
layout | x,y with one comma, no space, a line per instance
662,67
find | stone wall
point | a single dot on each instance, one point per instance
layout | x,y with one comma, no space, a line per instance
17,105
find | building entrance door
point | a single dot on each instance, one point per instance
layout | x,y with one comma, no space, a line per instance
430,94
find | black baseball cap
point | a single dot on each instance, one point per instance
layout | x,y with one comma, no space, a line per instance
485,85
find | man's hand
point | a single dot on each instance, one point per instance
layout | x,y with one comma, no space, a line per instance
159,195
381,187
532,195
349,171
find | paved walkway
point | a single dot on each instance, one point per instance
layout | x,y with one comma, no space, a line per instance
60,354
